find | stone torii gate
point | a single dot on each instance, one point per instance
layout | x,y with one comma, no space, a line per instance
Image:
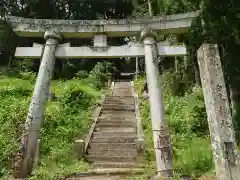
54,30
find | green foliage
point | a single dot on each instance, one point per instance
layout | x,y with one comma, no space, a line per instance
187,113
189,130
8,43
67,118
14,94
98,76
192,154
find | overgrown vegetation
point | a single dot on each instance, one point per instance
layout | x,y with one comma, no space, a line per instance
66,119
187,120
68,116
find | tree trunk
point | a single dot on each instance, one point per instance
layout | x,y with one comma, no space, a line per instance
150,10
196,73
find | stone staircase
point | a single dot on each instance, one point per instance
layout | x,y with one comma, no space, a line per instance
113,142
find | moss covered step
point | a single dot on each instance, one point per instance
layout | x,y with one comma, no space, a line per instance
119,116
112,152
112,145
116,118
92,158
120,98
123,113
111,133
117,139
113,142
118,107
116,129
120,102
115,124
122,93
117,164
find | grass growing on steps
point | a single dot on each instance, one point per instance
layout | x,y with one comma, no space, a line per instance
189,131
66,119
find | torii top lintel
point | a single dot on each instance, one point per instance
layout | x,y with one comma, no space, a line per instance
26,27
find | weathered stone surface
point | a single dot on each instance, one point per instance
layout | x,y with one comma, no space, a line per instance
115,164
99,177
93,158
59,45
113,133
161,136
37,154
95,115
24,161
140,134
26,27
218,112
113,143
100,40
134,50
52,34
80,148
117,139
112,152
116,124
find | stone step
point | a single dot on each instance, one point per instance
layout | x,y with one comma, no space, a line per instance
112,145
110,134
117,112
95,177
127,91
112,152
113,139
119,102
122,94
93,158
127,86
117,98
119,105
126,115
110,129
117,108
117,118
115,125
117,121
129,115
122,89
122,84
116,164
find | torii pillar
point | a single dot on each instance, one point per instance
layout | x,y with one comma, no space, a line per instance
224,149
161,136
29,141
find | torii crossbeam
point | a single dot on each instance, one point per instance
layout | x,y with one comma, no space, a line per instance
26,27
135,50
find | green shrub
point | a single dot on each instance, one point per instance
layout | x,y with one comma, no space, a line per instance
14,95
67,118
186,116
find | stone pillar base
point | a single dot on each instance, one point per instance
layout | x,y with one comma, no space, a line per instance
80,148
